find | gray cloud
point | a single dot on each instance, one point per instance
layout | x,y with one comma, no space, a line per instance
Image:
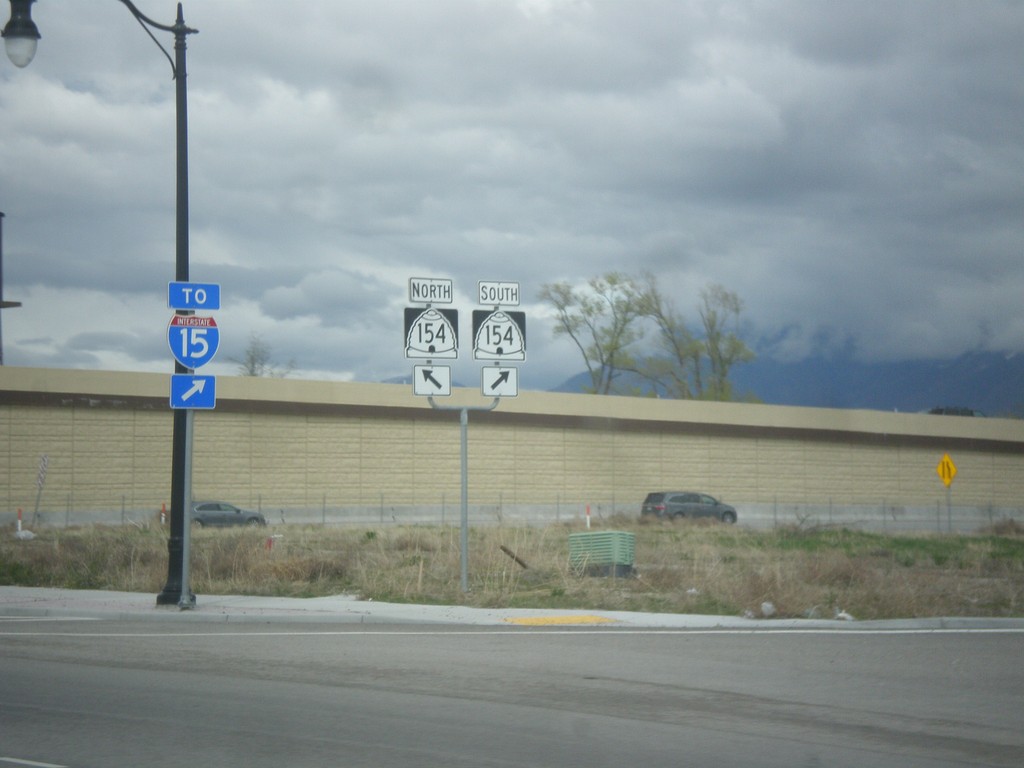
854,173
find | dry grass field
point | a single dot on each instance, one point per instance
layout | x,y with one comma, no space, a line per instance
683,567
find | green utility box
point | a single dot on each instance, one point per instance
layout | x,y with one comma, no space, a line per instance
602,553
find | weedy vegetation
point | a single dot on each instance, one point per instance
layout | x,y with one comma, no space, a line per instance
680,567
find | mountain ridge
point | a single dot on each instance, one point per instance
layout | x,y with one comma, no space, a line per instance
988,382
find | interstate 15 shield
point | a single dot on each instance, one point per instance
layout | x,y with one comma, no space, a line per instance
193,339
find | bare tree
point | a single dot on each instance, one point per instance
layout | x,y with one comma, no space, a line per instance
606,321
602,320
256,360
720,314
688,366
675,369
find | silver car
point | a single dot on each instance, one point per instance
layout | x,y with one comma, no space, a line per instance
221,513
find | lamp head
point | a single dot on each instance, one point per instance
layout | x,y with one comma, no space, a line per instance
21,34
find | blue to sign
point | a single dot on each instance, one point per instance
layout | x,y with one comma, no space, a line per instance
193,339
191,391
199,296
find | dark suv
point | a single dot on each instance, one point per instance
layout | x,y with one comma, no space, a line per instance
672,504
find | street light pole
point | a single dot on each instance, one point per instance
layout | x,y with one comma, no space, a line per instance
20,34
181,437
20,38
3,304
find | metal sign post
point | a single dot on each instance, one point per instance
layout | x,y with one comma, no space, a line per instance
44,463
947,471
464,460
193,341
432,333
187,599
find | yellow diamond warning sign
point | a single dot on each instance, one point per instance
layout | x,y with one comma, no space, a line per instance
946,470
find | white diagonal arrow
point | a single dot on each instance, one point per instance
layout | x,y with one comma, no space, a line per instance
195,389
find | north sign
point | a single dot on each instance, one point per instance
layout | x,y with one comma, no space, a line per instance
430,290
193,339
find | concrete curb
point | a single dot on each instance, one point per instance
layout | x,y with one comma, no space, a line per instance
66,604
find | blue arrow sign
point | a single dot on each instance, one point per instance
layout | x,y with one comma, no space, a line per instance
196,296
193,339
191,391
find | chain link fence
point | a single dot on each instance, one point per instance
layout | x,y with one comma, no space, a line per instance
936,517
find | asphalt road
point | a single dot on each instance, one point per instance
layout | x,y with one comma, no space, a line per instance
123,693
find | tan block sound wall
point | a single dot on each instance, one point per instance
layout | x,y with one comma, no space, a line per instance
299,444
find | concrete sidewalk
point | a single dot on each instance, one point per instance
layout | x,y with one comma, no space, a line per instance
35,602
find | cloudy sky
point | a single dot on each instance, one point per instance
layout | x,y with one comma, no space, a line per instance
854,171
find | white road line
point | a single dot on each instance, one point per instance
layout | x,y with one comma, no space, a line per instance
16,761
14,619
531,632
